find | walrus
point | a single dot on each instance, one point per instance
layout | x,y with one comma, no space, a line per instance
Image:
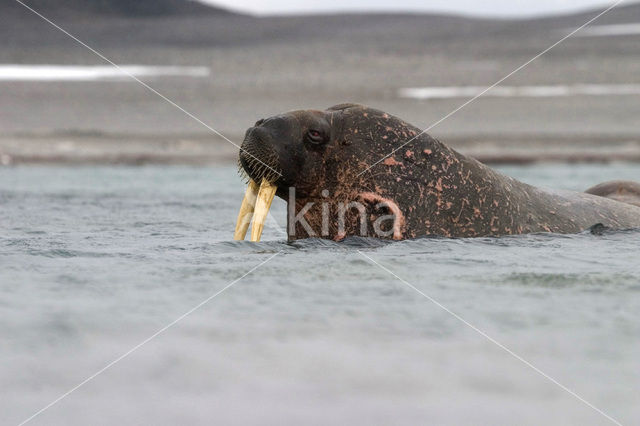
334,169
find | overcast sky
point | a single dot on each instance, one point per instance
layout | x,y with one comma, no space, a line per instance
473,7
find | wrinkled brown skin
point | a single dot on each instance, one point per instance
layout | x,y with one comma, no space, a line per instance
431,189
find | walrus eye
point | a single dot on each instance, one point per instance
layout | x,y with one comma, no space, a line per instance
315,136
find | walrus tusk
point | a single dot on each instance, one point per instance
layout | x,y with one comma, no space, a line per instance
263,203
246,211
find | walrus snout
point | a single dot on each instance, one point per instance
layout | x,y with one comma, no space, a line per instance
258,157
265,155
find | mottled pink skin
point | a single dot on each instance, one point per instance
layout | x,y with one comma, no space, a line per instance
398,222
430,188
392,162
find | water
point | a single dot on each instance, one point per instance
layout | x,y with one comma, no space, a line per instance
14,72
555,91
609,30
95,260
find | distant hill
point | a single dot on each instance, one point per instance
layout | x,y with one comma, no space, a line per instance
623,14
123,8
165,8
188,23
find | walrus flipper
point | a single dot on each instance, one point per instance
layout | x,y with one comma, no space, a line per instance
619,190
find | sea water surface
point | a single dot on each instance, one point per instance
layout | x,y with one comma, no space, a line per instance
95,260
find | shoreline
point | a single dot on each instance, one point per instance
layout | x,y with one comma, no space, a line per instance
74,148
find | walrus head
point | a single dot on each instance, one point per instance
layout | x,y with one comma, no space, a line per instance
289,150
320,162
